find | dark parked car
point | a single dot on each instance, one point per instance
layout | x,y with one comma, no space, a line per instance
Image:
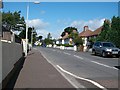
105,49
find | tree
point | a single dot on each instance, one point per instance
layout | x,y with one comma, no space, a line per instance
40,37
104,35
78,41
114,34
63,34
69,30
111,32
49,36
73,35
92,40
30,30
13,19
48,40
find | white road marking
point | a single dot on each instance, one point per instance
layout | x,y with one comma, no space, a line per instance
88,80
67,79
97,63
104,65
67,53
78,57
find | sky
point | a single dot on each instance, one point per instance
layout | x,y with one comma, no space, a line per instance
53,17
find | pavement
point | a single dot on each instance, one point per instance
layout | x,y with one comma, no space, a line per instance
38,73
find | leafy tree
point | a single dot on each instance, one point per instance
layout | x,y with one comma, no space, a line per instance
40,37
114,34
63,34
13,19
111,32
104,35
48,40
78,41
73,35
23,34
92,40
69,30
49,36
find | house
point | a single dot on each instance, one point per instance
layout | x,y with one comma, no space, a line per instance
85,34
96,32
8,35
66,39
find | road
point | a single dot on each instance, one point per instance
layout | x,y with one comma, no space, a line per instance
82,69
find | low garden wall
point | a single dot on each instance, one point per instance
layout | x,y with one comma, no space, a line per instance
10,53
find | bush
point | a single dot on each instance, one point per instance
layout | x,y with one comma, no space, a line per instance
58,44
67,45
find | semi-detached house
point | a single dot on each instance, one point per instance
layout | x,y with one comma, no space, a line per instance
86,34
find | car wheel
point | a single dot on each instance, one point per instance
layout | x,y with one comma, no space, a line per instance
103,54
119,54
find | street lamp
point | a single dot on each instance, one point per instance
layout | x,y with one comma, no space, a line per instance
36,2
27,29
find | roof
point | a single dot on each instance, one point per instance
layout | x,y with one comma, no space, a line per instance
85,33
97,31
65,37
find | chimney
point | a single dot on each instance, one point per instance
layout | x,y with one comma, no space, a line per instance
86,28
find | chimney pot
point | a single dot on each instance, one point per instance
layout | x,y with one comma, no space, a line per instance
86,28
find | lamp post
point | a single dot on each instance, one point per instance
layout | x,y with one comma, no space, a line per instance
27,29
36,2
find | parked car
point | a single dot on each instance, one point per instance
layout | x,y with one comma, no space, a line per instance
105,49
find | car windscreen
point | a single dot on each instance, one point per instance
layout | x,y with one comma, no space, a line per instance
108,45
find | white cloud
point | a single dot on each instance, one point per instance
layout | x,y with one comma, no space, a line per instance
79,24
93,24
56,34
43,27
38,23
40,26
42,32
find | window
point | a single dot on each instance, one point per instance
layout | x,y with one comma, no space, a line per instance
97,44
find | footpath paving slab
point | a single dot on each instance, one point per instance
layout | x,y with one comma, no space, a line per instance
38,73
